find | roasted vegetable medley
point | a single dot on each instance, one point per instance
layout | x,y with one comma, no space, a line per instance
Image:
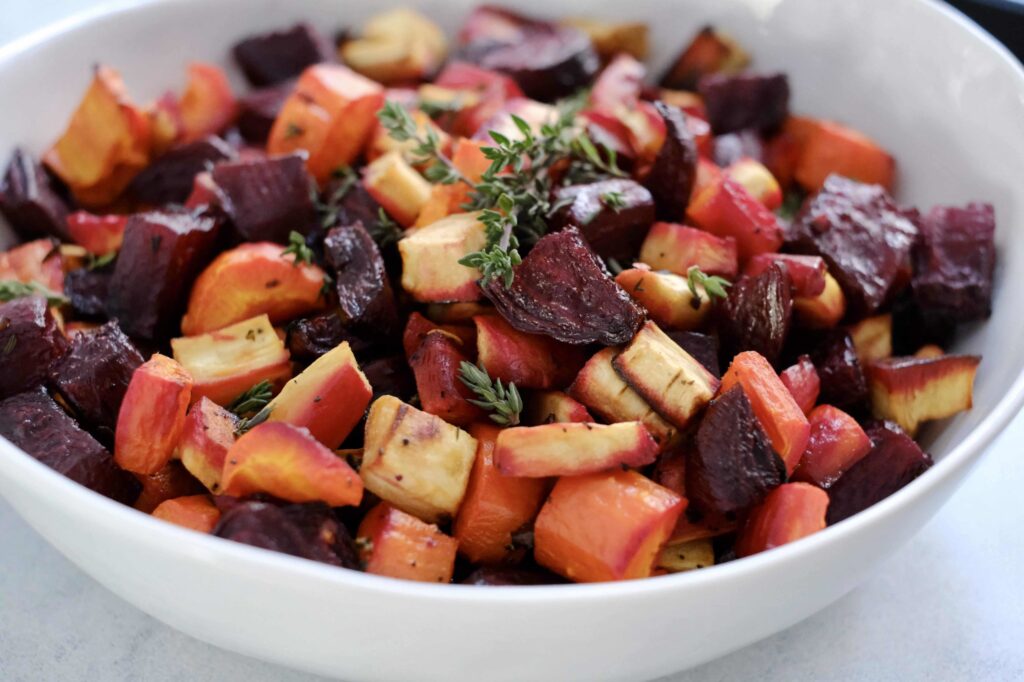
497,311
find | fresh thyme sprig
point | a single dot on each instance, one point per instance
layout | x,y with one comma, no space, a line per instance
514,192
385,231
401,127
298,248
331,208
505,404
11,289
252,407
714,286
253,400
95,262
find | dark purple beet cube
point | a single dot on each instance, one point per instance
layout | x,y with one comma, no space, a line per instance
862,234
257,110
270,58
511,577
675,168
311,337
168,178
563,290
613,215
955,261
267,198
747,100
94,374
87,291
547,60
757,314
839,370
733,465
894,461
729,148
34,422
30,343
29,202
163,251
390,376
703,348
310,531
366,304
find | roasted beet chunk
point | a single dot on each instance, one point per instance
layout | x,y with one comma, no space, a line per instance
756,315
709,52
839,371
29,202
754,101
34,422
894,461
733,465
546,60
87,291
954,262
267,198
29,343
675,168
561,289
163,251
168,179
310,531
390,376
863,235
613,215
703,348
270,58
94,374
311,337
258,109
366,303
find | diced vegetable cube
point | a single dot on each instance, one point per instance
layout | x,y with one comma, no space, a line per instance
554,407
496,505
277,56
802,382
676,248
666,297
152,415
208,433
226,363
612,215
913,390
837,442
397,46
287,462
30,343
28,199
528,360
725,208
790,512
436,364
415,460
430,259
571,449
605,526
757,313
195,512
399,545
266,198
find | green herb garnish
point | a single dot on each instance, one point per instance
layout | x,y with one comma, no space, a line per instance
11,289
298,248
614,200
253,400
713,285
386,231
505,404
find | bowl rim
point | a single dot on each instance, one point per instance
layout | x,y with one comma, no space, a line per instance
18,466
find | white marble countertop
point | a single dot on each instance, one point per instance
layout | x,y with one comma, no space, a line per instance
948,606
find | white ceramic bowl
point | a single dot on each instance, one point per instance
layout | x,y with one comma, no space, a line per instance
929,85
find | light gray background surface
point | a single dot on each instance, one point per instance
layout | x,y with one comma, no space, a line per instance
948,606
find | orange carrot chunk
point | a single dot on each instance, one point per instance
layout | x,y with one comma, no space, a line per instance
152,415
194,511
605,526
399,545
774,406
495,505
790,512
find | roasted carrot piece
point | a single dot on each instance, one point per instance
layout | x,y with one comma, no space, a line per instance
399,545
194,511
528,360
833,148
790,512
435,365
774,406
495,505
207,106
837,442
288,463
152,415
605,526
725,208
803,383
